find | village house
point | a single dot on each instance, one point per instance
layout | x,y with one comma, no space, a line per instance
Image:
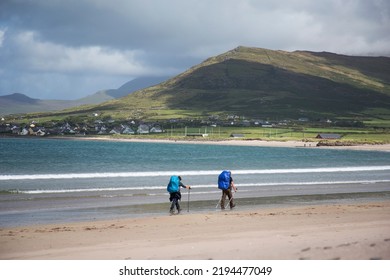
24,131
102,130
15,129
143,129
156,129
37,131
67,129
115,130
127,130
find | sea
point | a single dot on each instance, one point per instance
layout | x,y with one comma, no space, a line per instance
52,181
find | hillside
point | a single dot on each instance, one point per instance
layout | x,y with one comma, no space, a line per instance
261,83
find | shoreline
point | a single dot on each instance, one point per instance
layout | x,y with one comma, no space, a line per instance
235,142
226,142
357,230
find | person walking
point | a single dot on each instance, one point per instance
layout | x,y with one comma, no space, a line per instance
226,184
173,188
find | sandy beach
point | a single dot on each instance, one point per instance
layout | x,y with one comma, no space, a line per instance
319,232
238,142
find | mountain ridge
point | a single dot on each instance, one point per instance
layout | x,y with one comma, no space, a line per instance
262,83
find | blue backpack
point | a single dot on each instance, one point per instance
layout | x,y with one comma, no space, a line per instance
173,185
224,180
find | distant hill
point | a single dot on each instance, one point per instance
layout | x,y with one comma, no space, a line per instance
19,103
261,83
17,98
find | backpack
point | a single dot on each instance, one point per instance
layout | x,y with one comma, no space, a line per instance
173,185
224,180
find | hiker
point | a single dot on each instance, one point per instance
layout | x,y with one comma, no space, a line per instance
174,192
226,184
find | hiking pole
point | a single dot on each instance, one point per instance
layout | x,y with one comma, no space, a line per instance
219,202
229,201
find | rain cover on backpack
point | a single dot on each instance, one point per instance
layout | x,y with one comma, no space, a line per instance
173,185
224,180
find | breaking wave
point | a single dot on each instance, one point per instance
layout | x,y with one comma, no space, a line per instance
190,173
197,187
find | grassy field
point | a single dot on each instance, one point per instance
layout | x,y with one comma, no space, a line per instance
349,136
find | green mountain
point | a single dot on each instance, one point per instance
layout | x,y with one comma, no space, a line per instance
261,83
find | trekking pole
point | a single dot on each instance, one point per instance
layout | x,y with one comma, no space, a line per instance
219,202
229,201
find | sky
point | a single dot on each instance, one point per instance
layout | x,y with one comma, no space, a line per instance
56,49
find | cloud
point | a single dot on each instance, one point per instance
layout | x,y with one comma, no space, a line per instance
2,34
120,40
62,72
48,56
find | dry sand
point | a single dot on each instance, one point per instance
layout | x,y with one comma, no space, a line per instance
237,142
320,232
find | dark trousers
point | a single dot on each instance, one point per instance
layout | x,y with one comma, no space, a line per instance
174,198
227,193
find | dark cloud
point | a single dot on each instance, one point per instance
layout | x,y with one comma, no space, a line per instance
51,48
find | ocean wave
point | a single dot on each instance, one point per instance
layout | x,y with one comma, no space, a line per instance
194,187
190,173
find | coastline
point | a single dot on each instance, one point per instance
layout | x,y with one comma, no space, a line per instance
235,142
349,231
226,142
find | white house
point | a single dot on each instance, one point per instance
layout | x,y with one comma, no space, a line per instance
24,132
127,130
156,129
143,129
115,131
